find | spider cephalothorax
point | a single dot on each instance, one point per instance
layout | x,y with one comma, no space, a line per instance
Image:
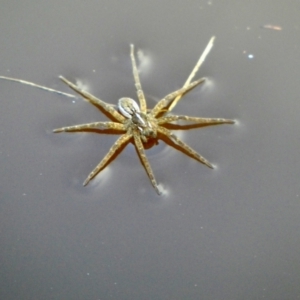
139,124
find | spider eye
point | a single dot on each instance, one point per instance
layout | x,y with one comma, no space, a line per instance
128,107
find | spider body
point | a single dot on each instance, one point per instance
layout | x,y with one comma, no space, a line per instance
139,124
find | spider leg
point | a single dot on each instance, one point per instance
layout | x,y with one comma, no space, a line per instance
137,81
94,100
119,142
141,151
209,121
195,70
95,125
37,86
184,146
170,97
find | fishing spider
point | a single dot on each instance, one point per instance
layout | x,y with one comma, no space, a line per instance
137,123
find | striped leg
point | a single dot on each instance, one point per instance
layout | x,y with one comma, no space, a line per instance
120,141
141,151
208,121
184,147
94,100
95,125
137,81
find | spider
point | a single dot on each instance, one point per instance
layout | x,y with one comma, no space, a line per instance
137,123
141,125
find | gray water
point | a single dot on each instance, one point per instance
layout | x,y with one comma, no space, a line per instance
228,233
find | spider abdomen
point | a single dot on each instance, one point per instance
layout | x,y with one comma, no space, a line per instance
146,126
